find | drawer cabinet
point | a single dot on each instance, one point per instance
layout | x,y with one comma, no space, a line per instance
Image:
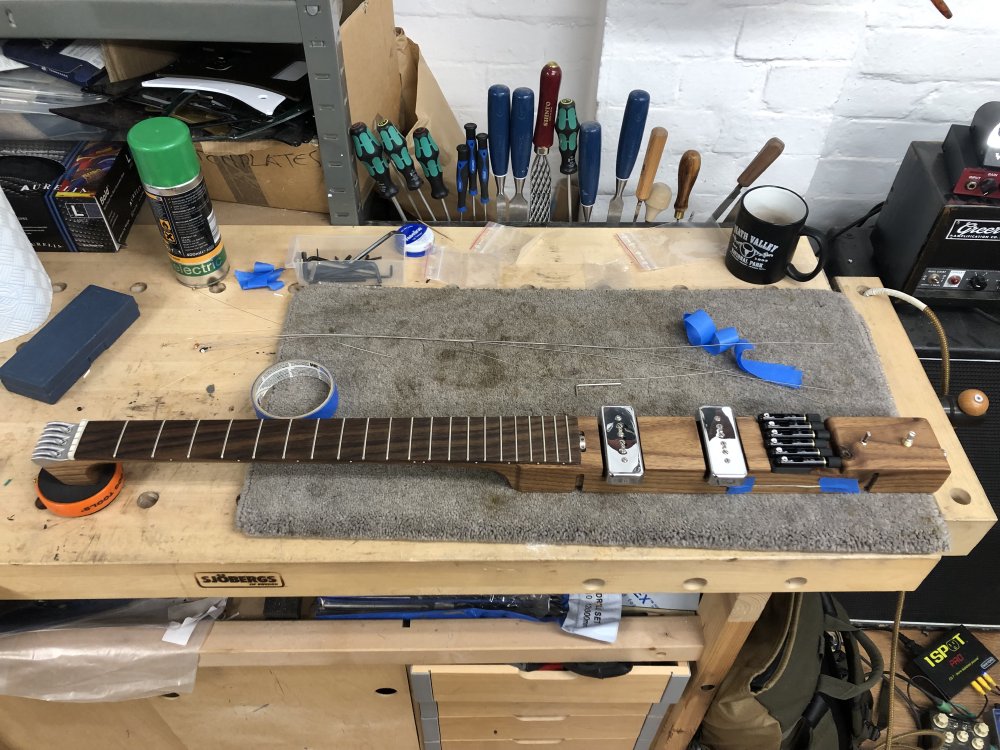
494,707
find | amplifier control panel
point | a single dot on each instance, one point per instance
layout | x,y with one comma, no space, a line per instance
962,281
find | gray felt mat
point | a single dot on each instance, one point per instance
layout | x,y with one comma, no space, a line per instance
816,331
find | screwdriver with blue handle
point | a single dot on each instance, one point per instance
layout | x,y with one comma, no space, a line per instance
590,166
368,149
498,120
462,179
522,112
483,166
429,156
633,127
470,141
395,146
567,129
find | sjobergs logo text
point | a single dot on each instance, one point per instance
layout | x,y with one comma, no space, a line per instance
239,580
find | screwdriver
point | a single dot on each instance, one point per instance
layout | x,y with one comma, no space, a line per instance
590,166
368,149
629,141
687,173
483,165
462,179
522,109
395,146
650,163
498,119
541,173
764,159
429,156
568,129
470,141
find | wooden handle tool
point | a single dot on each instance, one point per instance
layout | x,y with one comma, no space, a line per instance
658,200
764,159
651,163
687,173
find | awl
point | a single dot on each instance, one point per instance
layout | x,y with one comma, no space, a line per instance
541,172
629,141
650,163
687,173
764,159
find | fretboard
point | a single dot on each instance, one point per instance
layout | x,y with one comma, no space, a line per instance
552,439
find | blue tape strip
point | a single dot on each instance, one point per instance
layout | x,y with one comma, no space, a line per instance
742,489
839,484
701,331
262,275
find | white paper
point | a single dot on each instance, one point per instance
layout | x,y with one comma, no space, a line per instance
594,616
25,288
7,64
179,631
87,51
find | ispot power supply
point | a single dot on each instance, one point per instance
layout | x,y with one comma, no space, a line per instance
954,662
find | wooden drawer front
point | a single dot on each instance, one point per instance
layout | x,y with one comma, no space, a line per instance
541,727
552,744
449,710
502,683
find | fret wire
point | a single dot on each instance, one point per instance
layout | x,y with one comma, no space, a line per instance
364,445
388,439
343,422
555,435
449,437
569,440
517,456
484,438
225,442
260,426
531,449
191,444
409,447
545,450
501,438
312,452
288,433
430,439
164,422
119,443
468,439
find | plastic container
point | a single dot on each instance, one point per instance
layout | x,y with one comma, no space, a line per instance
320,259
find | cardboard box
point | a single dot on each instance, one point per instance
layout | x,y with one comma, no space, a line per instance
71,196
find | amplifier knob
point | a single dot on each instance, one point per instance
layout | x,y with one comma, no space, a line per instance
988,185
978,281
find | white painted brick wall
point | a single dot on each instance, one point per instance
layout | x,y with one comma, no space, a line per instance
846,86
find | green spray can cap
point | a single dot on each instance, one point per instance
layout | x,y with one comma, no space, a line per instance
163,152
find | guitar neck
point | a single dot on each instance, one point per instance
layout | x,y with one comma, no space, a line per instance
553,439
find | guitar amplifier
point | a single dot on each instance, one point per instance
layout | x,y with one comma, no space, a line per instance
941,247
960,590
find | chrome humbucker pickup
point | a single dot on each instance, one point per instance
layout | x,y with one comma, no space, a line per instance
720,439
620,445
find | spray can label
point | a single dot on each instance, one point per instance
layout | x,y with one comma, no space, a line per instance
188,227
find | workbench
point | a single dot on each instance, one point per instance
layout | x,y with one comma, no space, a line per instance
196,352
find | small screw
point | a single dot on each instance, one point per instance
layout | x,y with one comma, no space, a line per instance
908,440
866,438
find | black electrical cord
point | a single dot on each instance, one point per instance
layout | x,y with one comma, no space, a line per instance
872,211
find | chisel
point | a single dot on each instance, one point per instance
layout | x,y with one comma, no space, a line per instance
483,165
498,121
522,109
590,166
650,163
368,149
568,129
541,173
395,146
658,201
470,141
462,179
629,141
764,159
429,156
687,173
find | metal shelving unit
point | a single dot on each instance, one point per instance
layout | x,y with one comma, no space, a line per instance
315,24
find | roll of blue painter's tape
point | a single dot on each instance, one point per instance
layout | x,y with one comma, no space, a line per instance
290,370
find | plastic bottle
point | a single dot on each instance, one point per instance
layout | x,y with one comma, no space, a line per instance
171,176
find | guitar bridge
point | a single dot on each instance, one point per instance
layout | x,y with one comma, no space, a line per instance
620,445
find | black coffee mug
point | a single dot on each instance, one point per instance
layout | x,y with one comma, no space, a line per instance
768,226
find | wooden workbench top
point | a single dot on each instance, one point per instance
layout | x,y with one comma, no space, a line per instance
194,353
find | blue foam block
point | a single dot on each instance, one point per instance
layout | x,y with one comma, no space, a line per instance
48,364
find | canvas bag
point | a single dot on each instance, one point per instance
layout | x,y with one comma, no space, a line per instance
798,683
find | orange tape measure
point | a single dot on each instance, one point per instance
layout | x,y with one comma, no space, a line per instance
75,500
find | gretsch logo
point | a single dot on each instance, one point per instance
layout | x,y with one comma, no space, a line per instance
969,229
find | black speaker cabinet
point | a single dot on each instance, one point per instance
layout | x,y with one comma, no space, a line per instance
960,590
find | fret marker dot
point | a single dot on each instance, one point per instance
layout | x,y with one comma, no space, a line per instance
147,499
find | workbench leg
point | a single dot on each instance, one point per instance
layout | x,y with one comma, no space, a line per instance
726,621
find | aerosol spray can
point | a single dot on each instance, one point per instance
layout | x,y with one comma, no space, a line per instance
171,176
